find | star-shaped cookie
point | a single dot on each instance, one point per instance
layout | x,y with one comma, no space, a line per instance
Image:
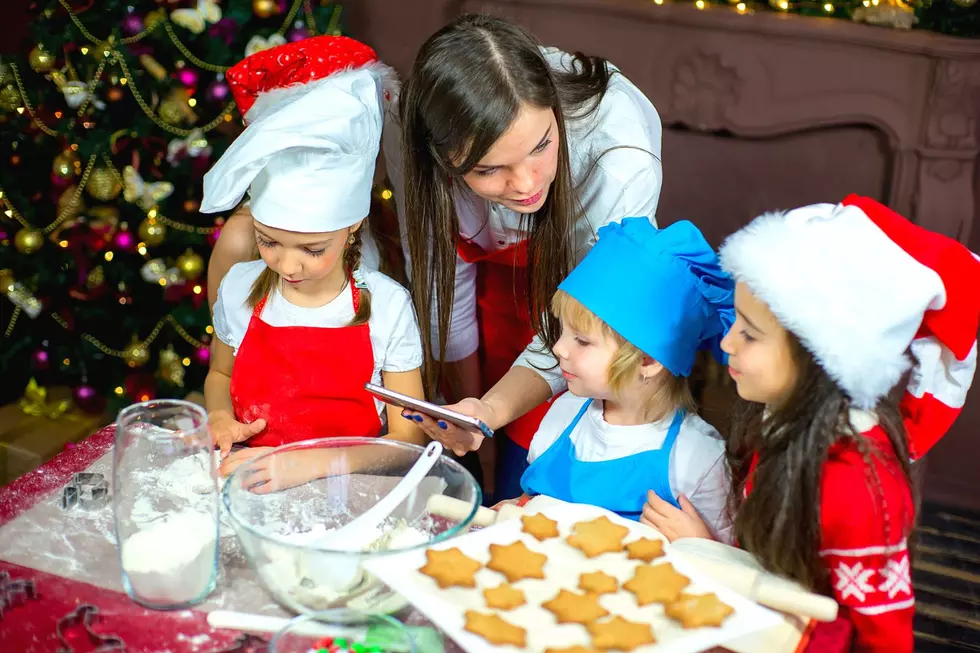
539,526
494,629
656,584
516,561
450,568
598,582
620,635
645,549
571,608
504,597
697,610
598,536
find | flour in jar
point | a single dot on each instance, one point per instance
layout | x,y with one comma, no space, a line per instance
186,482
173,560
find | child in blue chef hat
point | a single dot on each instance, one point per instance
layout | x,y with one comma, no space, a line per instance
634,314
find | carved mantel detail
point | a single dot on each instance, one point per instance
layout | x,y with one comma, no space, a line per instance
703,89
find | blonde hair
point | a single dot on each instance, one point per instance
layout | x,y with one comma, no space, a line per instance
669,389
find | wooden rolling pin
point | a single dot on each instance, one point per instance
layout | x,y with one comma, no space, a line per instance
450,508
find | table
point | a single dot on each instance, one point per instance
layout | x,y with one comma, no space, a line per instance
73,559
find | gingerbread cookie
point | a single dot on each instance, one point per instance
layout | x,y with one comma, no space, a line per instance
645,549
697,610
494,629
516,561
656,584
598,582
598,536
450,568
571,608
620,635
504,597
539,526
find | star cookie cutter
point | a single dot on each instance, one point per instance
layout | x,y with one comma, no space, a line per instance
83,617
87,490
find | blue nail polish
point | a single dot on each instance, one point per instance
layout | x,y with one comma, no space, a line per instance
418,418
442,425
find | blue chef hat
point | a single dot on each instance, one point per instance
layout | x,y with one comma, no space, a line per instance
660,289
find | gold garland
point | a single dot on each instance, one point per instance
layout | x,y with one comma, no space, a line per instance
81,28
13,213
118,353
13,321
27,103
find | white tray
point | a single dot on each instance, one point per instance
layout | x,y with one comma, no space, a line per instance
565,564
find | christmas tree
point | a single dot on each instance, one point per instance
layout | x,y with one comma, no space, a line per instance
107,126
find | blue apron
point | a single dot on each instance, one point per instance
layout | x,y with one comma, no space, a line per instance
619,485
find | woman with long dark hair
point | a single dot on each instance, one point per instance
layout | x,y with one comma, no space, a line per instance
513,156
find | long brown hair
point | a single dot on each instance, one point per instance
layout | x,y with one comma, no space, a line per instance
268,279
466,89
779,520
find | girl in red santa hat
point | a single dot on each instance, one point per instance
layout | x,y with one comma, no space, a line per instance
301,329
834,304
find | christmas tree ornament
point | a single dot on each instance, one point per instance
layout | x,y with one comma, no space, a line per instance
103,185
153,67
104,49
188,77
6,280
258,43
41,360
190,264
35,402
170,369
886,13
965,3
23,299
9,98
175,110
87,398
66,165
152,19
217,92
132,24
76,93
265,8
196,20
136,353
157,273
64,203
124,240
95,278
40,60
28,241
192,146
152,232
203,355
298,32
147,195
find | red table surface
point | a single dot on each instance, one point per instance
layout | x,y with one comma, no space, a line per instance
30,626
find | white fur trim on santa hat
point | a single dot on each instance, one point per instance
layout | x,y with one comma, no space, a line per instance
384,74
852,296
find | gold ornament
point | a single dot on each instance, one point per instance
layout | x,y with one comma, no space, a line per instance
136,353
28,241
174,108
887,13
154,17
95,278
41,61
104,49
6,280
153,67
66,165
65,200
35,402
103,185
152,232
9,98
265,8
191,265
170,369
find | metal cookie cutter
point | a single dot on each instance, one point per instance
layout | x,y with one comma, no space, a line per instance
14,592
84,616
87,490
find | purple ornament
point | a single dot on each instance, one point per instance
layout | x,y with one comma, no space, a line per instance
6,235
187,77
297,34
203,355
132,24
217,92
41,360
284,6
87,398
225,29
124,240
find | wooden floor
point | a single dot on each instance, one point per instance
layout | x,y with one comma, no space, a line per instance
946,577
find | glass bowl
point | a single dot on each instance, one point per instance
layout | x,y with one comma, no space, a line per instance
333,481
307,633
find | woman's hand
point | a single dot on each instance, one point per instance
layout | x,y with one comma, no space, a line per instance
460,441
670,521
274,473
226,431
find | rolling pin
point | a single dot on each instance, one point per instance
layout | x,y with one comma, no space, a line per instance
450,508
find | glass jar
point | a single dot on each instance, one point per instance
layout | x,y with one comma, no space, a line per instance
165,501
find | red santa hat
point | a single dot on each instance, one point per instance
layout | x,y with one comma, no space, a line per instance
314,111
862,287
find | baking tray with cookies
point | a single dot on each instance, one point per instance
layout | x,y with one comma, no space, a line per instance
569,578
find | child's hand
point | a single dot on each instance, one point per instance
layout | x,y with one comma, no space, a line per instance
226,431
460,441
509,502
670,521
275,473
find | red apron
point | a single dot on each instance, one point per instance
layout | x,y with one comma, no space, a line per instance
504,321
305,382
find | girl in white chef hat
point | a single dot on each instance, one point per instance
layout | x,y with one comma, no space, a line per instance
302,329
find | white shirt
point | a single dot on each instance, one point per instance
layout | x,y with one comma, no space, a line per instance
394,331
624,182
697,460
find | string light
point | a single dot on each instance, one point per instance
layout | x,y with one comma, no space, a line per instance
192,102
658,2
141,248
386,193
829,8
699,4
108,256
197,290
186,362
741,7
209,329
119,391
66,362
63,243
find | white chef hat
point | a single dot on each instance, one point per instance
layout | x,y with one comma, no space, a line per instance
314,112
